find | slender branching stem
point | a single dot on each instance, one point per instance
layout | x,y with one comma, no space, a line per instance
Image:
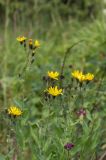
65,58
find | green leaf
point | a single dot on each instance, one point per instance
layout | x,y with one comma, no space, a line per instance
2,157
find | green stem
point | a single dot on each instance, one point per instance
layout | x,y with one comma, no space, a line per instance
6,51
65,58
68,155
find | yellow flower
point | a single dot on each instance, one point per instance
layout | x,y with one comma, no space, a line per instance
89,77
54,91
53,75
21,39
78,75
30,44
81,78
14,111
36,44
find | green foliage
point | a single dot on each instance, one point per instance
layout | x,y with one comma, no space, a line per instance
46,126
41,12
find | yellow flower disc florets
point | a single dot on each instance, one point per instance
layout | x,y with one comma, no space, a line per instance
53,75
54,91
21,39
14,111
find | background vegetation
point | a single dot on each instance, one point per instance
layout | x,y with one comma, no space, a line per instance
57,24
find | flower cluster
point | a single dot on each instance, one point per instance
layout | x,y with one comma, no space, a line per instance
81,112
82,77
81,115
53,89
68,146
32,45
14,111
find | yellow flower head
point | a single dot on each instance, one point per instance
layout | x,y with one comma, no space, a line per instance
36,44
30,44
14,111
54,91
78,75
21,39
53,75
89,77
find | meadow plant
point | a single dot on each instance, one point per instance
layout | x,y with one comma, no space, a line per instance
30,47
67,126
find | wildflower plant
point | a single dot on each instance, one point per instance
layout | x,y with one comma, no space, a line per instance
54,117
30,47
